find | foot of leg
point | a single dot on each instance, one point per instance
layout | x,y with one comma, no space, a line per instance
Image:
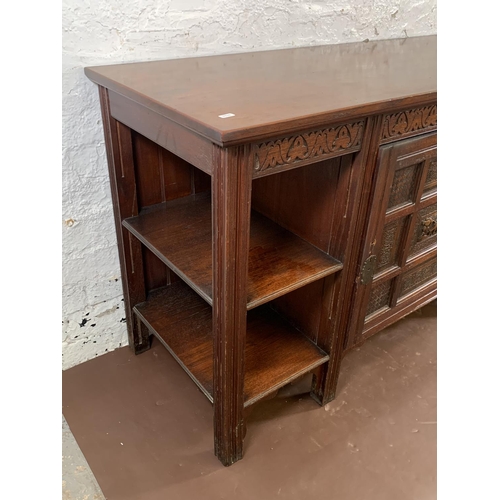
141,339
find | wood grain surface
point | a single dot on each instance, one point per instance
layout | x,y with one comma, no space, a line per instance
179,232
277,91
275,352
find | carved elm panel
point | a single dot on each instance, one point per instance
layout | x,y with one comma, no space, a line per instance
391,243
409,122
380,295
431,180
404,186
411,280
308,147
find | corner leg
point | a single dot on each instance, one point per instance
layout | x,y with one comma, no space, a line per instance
330,339
324,383
231,190
141,341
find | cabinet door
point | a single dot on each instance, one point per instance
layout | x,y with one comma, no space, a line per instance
398,268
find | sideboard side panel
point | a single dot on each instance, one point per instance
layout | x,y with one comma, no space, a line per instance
124,195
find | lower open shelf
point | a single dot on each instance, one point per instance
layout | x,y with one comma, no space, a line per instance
275,354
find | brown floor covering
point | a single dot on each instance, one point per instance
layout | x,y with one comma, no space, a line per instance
146,430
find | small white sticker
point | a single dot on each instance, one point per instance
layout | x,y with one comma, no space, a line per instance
227,115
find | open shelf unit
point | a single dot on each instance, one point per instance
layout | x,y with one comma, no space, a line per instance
291,272
179,233
275,352
168,222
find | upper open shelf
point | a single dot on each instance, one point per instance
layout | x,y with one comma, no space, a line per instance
179,233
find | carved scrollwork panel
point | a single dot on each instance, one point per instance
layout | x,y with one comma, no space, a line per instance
409,122
307,147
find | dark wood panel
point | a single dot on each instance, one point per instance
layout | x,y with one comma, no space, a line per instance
405,307
416,278
179,233
380,297
275,352
301,200
119,150
148,171
277,91
409,208
156,273
202,182
430,186
163,176
410,264
160,175
400,180
168,134
303,307
177,175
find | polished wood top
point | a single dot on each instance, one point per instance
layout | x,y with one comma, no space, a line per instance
279,91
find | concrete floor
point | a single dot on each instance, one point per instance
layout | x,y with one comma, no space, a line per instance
78,481
146,430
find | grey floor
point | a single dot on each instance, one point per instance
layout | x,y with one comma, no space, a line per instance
78,481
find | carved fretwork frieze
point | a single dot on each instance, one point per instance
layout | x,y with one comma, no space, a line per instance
307,147
409,122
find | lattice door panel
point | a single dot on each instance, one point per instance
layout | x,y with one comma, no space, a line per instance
401,233
404,185
392,239
416,278
431,180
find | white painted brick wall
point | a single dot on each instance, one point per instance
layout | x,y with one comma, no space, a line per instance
104,32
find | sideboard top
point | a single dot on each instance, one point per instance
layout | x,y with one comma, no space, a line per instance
278,91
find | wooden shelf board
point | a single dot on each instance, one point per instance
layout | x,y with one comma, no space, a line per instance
179,233
275,354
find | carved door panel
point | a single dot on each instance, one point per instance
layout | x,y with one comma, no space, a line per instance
398,271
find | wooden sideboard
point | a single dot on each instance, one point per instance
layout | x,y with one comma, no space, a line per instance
273,210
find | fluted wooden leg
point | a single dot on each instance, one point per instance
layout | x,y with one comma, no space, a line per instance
231,191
